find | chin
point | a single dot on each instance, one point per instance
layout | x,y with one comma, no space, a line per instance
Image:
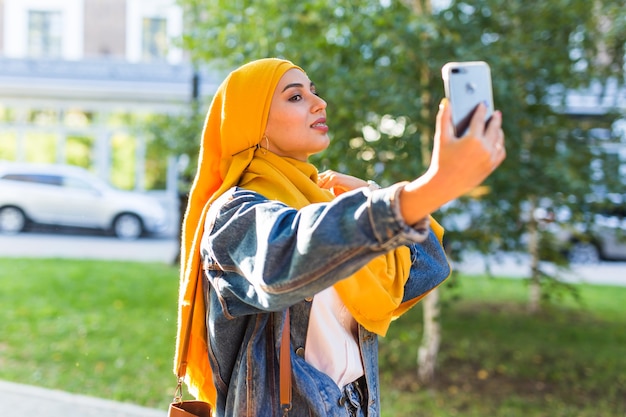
325,143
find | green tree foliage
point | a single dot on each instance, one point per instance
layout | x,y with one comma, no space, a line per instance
541,53
177,134
366,58
377,63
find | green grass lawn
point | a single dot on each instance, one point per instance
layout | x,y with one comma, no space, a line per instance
498,360
107,329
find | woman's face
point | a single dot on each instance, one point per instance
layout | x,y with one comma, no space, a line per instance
296,124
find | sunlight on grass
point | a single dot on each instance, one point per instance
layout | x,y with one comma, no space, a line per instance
98,328
498,360
107,329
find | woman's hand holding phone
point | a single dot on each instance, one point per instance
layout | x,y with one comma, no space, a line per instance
464,163
457,165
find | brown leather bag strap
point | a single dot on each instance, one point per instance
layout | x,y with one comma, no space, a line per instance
285,368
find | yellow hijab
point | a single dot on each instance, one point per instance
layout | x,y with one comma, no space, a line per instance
235,124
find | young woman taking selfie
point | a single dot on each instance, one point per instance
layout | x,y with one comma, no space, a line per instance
318,262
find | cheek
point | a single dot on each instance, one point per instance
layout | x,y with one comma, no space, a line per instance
276,122
284,123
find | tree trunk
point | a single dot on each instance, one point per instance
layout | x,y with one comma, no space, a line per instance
428,350
419,6
534,296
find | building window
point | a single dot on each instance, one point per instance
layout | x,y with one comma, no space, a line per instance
154,39
44,34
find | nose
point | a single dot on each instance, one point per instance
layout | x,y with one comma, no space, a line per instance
318,104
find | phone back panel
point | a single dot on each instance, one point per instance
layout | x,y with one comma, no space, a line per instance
466,85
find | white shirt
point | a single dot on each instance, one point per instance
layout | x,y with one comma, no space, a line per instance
331,341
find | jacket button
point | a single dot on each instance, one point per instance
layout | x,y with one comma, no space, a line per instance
300,352
308,299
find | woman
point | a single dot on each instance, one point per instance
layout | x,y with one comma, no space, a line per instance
273,236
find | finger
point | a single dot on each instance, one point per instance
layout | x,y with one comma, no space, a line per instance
326,179
500,144
322,178
477,123
494,133
495,124
499,153
444,128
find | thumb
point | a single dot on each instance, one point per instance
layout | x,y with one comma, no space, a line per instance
444,129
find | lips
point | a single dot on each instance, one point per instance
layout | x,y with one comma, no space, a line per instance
320,123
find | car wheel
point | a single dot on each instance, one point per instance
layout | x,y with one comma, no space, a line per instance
12,220
583,253
127,227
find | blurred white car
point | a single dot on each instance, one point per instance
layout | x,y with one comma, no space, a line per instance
64,195
604,240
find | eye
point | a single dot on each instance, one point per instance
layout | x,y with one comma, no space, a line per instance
296,97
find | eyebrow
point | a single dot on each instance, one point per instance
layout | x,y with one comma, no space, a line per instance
292,85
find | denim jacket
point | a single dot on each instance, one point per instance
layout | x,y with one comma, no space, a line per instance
261,257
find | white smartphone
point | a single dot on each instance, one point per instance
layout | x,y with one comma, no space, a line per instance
467,84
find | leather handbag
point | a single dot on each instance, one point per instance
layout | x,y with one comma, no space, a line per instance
194,408
189,409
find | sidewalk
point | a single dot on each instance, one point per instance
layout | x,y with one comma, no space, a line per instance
18,400
517,265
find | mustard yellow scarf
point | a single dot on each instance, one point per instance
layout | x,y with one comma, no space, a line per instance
228,156
374,293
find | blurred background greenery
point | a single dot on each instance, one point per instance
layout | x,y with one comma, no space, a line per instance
557,68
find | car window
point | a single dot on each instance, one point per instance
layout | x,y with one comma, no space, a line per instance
77,183
34,178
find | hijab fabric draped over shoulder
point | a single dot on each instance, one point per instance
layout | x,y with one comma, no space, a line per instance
234,125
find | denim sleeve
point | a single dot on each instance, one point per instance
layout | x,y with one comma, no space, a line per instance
262,255
429,267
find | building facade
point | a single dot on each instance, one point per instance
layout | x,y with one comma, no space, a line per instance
78,78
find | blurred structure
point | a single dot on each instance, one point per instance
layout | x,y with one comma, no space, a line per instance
79,77
85,73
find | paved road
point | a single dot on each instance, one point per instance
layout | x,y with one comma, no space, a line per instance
83,246
165,249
